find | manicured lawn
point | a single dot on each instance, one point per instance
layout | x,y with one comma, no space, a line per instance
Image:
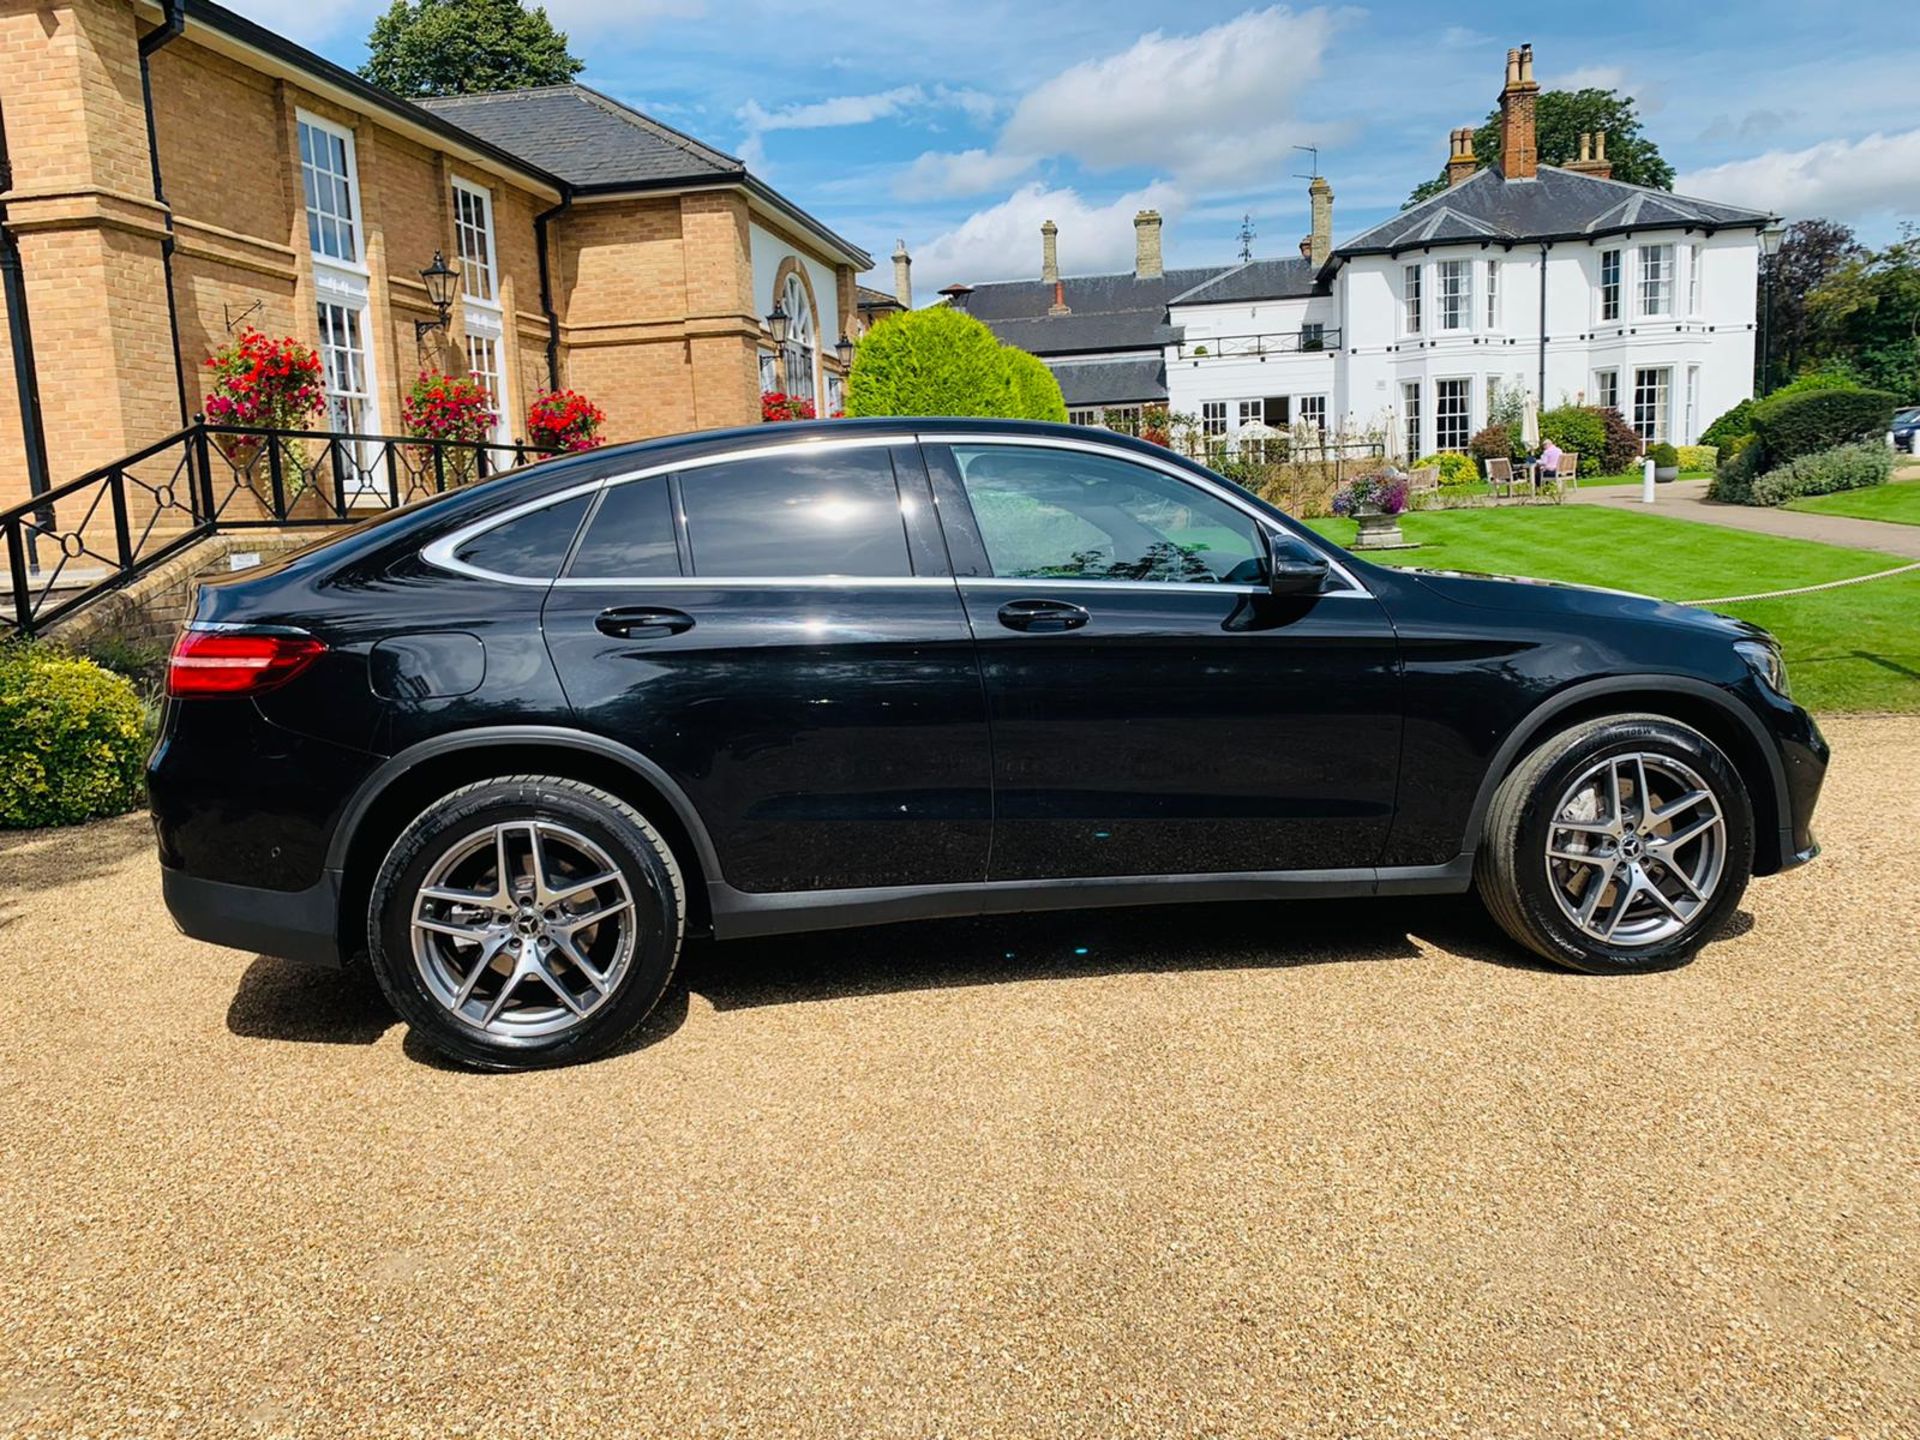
1851,649
1898,501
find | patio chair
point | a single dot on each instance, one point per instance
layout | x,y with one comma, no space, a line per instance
1500,472
1568,473
1427,477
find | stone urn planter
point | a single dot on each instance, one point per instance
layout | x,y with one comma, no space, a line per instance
1663,474
1378,531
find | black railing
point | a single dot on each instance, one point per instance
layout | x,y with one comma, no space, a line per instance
79,540
1310,341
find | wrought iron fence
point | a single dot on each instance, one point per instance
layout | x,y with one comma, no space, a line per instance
90,535
1309,341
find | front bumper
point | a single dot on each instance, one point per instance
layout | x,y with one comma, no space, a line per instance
298,925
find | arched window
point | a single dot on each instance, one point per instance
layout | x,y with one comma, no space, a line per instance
800,340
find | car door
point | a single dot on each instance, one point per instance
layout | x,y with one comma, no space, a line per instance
779,630
1155,708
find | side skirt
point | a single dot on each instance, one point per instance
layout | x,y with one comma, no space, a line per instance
738,914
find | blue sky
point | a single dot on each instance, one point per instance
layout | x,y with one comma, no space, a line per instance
960,127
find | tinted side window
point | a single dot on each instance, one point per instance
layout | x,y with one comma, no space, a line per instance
835,512
1067,515
630,535
531,546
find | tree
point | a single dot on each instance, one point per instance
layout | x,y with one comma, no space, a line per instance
1810,254
1865,317
465,47
937,361
1560,118
1036,393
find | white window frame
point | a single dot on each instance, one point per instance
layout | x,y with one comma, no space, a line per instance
1690,423
1249,412
1440,416
1653,298
1410,398
1311,410
488,257
1454,291
1213,419
802,339
1412,293
1493,294
1604,381
354,306
1607,294
1694,255
494,378
355,198
1653,420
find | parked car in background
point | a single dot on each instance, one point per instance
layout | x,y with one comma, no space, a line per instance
512,746
1906,423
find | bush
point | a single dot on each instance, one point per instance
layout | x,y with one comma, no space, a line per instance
1621,449
1698,457
1499,441
1845,467
937,361
1736,422
1455,468
1790,425
1036,393
1580,429
1737,446
1664,456
71,739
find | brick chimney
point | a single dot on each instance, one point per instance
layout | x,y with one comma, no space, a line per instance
902,275
1593,156
1519,147
1320,193
1050,253
1461,164
1146,246
1059,305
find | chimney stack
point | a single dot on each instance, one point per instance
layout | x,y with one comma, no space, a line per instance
1050,253
1461,164
1059,306
902,275
1519,145
1146,246
1320,193
1593,156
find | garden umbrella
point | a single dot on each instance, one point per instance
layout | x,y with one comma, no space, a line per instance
1530,422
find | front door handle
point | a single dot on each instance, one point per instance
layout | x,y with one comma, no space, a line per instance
1040,617
641,622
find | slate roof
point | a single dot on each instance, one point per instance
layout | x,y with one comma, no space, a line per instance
1078,334
1556,205
586,138
1085,294
868,298
1086,383
1255,280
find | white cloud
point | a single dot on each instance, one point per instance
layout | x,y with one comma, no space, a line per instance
1592,77
828,114
1841,179
967,172
1002,242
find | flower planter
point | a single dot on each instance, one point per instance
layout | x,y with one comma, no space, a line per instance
1665,473
1378,532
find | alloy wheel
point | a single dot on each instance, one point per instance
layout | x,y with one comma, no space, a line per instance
1635,849
523,929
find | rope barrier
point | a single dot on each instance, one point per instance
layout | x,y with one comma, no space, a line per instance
1804,589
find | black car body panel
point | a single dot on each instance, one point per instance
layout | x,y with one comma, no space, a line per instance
840,751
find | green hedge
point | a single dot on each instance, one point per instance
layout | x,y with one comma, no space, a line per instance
1664,456
71,739
1698,457
942,361
1845,467
1788,426
1036,393
1731,426
1578,429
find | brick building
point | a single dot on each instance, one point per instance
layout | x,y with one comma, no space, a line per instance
168,174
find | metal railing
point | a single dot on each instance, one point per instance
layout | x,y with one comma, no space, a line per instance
1282,342
80,540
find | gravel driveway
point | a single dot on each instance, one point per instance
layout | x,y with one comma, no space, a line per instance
1342,1170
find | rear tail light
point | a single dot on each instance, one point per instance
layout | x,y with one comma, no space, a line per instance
237,662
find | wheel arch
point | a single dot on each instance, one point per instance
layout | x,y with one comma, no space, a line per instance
409,781
1707,708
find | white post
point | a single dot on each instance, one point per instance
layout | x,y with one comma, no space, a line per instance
1913,442
1646,481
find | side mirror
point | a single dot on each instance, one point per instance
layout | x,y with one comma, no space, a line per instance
1290,572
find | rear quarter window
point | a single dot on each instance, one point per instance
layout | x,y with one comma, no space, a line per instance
529,547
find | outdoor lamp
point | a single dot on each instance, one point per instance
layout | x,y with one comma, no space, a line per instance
845,351
777,324
438,278
1770,239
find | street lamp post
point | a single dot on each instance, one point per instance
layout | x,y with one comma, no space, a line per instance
1770,239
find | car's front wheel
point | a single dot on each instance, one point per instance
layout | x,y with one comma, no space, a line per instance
1620,845
526,921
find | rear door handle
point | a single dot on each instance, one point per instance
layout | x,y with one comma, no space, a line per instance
641,622
1039,617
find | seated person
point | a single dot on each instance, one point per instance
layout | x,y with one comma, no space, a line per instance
1549,459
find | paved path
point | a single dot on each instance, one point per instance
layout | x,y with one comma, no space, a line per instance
1687,500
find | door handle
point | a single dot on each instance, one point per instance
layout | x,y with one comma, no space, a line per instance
641,622
1040,617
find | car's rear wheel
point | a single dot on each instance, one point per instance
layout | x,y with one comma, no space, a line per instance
1620,845
526,921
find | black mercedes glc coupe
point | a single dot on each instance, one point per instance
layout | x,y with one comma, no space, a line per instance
512,746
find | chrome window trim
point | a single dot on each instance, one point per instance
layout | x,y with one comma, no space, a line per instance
757,582
1160,587
1219,491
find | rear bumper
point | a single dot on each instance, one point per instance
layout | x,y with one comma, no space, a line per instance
298,925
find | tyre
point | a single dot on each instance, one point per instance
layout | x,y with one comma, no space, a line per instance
1619,846
526,922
